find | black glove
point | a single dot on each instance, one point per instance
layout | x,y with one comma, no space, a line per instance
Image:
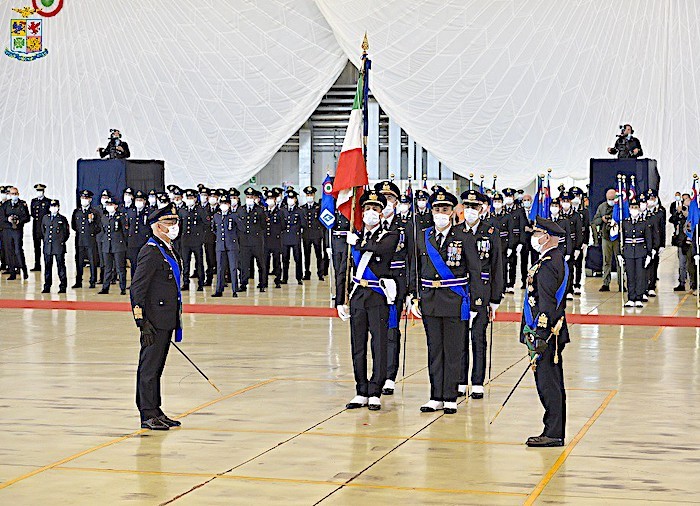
148,333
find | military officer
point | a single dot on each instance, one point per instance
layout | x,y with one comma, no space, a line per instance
292,220
210,208
339,254
39,207
312,233
138,229
543,329
156,304
527,255
85,222
252,240
516,228
3,225
14,214
226,223
576,236
637,244
578,207
483,245
104,197
502,223
114,241
372,293
193,220
127,200
424,217
566,244
656,217
55,232
273,237
442,300
152,201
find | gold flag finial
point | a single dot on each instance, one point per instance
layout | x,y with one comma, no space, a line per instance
25,12
365,44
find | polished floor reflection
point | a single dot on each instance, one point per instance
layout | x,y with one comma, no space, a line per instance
279,434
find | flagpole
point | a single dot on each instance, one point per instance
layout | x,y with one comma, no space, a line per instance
621,239
697,249
471,181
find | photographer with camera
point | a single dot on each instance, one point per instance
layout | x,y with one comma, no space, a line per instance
626,146
116,147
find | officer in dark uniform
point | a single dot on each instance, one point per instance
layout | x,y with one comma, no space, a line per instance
14,214
39,207
138,229
127,200
55,231
252,240
424,218
443,300
527,255
502,223
152,204
483,245
156,305
566,245
516,228
210,207
339,250
114,241
193,224
3,225
104,197
226,223
371,295
578,207
292,220
576,235
312,233
637,244
85,222
656,217
273,237
543,329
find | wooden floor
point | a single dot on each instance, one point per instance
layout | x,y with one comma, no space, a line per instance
279,434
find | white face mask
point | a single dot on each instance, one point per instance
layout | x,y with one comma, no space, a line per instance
634,213
498,206
213,201
173,231
508,200
652,203
527,204
279,199
235,201
161,205
642,206
402,208
249,201
271,202
14,198
388,210
422,204
576,201
224,208
554,211
3,197
308,199
678,198
190,202
84,202
471,215
54,210
103,200
290,202
140,204
566,206
203,199
611,202
128,199
535,243
39,193
370,217
171,195
152,200
441,220
111,209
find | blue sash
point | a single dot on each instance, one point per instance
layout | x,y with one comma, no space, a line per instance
446,274
370,276
527,309
176,272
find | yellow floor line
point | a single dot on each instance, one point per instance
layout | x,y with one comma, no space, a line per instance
570,447
123,438
295,481
656,336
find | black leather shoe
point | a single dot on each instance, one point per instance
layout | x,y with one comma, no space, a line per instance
234,295
242,289
92,285
122,292
320,278
374,407
208,283
307,277
387,391
679,288
217,294
449,411
169,421
355,405
476,395
461,394
277,284
35,269
46,290
154,424
61,290
77,285
604,288
12,277
544,441
104,291
300,282
200,288
185,288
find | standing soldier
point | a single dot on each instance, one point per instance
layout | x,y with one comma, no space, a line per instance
273,237
582,211
193,222
14,214
39,207
576,236
127,200
502,224
291,236
566,245
543,329
442,301
516,227
372,293
527,255
424,218
55,231
152,201
156,305
114,242
483,245
226,223
636,253
85,222
339,254
252,241
210,207
312,233
138,229
656,217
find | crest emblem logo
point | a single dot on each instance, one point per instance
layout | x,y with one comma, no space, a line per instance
27,30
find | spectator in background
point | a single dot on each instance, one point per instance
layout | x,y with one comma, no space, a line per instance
603,221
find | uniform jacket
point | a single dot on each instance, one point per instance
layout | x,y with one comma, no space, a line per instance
85,230
253,225
636,238
382,245
292,222
566,243
139,230
226,229
312,228
20,210
193,225
55,232
39,208
273,231
485,266
424,219
114,233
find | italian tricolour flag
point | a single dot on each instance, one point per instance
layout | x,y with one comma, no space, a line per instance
351,172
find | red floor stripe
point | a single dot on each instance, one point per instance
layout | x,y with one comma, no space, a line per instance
223,309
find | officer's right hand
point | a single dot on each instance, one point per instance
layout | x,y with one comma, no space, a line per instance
415,309
409,302
343,312
647,261
148,333
329,252
620,260
509,252
351,238
697,259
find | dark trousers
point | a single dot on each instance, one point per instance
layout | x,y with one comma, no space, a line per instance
510,266
375,320
549,378
296,251
577,272
114,264
226,260
132,254
60,266
570,279
445,344
340,265
394,335
187,251
273,257
477,330
210,256
101,261
89,253
652,273
316,243
636,278
248,253
151,364
7,253
15,250
528,256
37,252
